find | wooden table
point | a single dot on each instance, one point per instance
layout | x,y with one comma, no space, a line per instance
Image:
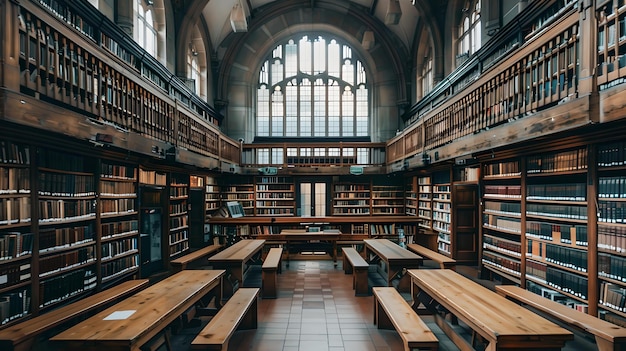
503,324
396,259
290,237
131,323
234,260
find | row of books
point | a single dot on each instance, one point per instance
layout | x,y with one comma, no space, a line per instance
53,159
502,223
612,238
59,184
275,211
178,248
275,195
502,169
67,260
14,273
152,177
557,162
55,238
118,171
613,296
274,187
275,203
536,269
504,263
352,196
121,189
612,154
14,305
178,208
67,285
566,257
15,244
557,297
179,222
384,210
351,187
513,208
567,282
179,191
178,236
612,267
118,228
506,246
504,191
613,318
14,210
558,232
119,266
113,248
117,206
562,192
14,180
612,187
13,153
274,180
60,210
612,211
557,211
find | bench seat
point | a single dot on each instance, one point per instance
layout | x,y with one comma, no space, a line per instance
608,336
269,272
444,261
182,262
21,336
391,311
240,312
355,264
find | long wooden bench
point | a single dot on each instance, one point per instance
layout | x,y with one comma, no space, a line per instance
269,272
391,311
444,261
183,261
608,336
355,264
22,336
240,312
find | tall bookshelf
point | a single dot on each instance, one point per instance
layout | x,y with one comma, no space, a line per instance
118,210
274,196
67,226
502,216
442,211
241,190
556,224
387,200
611,242
410,196
350,199
178,215
16,238
212,196
424,203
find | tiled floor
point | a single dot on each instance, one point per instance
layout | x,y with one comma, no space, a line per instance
316,310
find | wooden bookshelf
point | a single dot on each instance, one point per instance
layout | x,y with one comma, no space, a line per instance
350,199
118,211
16,238
410,196
611,243
274,196
424,203
387,200
178,214
242,190
66,242
212,196
502,219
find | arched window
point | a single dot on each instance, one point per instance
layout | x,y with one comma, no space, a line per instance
312,87
146,33
193,69
469,29
427,73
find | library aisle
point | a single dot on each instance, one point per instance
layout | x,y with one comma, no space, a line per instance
316,310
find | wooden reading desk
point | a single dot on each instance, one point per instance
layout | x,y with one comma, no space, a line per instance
234,261
503,324
132,322
396,260
294,236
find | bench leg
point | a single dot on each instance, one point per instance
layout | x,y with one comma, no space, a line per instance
605,345
380,317
250,320
270,282
360,285
347,268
